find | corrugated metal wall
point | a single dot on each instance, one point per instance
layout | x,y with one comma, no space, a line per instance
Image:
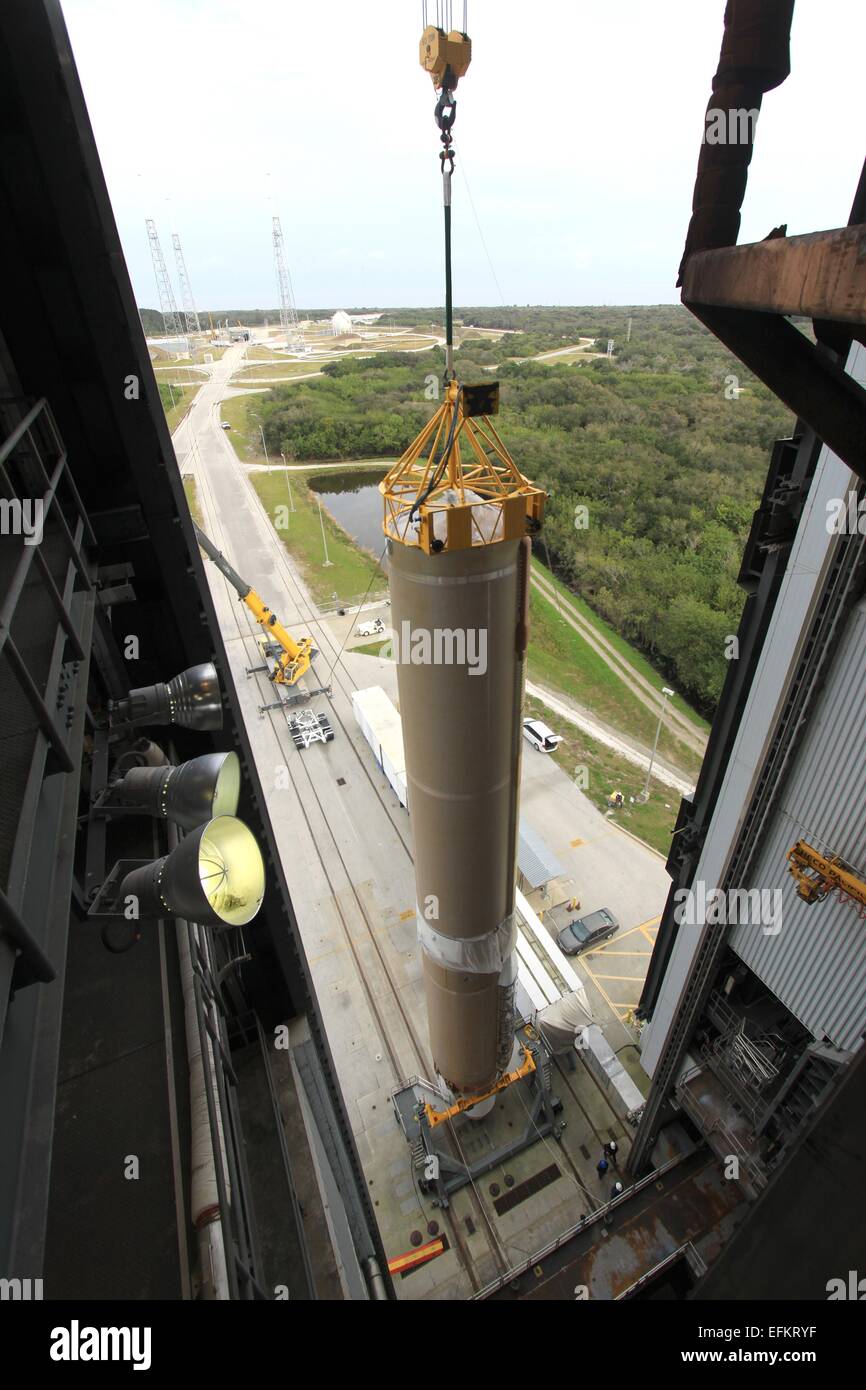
816,964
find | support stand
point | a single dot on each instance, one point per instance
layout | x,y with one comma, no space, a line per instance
438,1170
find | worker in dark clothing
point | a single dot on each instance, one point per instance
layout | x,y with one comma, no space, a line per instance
602,1167
615,1190
610,1151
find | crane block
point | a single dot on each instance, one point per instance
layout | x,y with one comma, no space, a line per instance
440,52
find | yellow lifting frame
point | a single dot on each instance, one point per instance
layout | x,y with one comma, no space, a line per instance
440,1117
478,463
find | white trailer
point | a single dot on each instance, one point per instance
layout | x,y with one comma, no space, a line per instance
382,727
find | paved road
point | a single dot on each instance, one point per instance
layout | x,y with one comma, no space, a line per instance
627,749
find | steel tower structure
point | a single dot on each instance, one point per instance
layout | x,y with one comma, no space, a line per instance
167,305
288,312
189,310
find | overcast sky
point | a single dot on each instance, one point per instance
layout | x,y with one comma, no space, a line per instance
577,133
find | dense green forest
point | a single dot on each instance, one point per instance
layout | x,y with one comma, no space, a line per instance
665,444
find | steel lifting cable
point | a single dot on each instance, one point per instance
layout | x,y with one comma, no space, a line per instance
445,113
446,110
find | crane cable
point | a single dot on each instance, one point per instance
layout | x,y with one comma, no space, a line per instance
445,113
446,110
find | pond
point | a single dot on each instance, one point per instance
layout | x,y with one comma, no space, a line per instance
353,499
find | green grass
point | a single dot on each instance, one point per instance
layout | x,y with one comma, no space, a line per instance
184,376
631,655
240,413
562,661
191,491
278,368
374,648
351,569
607,772
196,358
567,359
182,396
261,352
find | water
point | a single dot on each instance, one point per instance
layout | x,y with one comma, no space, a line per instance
353,499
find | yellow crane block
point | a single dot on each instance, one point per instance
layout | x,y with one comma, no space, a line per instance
440,51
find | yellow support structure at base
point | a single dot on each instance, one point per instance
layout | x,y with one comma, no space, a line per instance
439,1117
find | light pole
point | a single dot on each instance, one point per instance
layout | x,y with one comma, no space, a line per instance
666,691
288,482
324,542
265,447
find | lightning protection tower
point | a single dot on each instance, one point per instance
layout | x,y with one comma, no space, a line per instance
288,312
189,309
167,306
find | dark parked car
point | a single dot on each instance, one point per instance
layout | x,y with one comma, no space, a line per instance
587,931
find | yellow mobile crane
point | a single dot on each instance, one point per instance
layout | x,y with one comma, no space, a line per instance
291,659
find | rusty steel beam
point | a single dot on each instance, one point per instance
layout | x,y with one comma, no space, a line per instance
822,276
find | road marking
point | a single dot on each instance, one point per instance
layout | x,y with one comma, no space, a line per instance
629,978
648,923
614,1008
599,950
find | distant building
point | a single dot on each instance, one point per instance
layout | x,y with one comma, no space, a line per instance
341,323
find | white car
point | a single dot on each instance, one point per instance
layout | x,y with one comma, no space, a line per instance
225,424
371,629
543,740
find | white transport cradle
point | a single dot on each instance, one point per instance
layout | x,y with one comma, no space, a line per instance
307,727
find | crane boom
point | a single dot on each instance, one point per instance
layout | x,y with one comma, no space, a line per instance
295,657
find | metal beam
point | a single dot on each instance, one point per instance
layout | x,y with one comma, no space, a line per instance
822,275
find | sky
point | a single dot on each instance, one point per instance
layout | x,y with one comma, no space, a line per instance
577,135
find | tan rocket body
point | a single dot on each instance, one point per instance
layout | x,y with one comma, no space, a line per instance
462,735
